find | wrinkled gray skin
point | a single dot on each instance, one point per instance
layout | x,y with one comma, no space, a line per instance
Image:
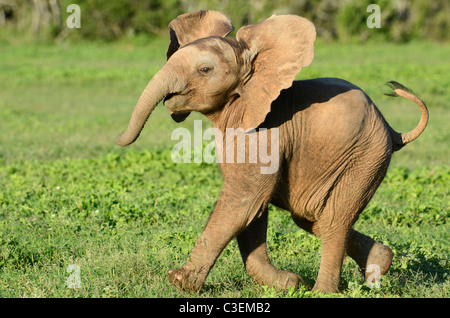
334,145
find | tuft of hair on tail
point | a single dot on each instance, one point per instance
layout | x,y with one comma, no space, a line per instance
396,85
401,139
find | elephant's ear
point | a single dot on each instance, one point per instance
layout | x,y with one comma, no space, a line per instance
280,46
196,25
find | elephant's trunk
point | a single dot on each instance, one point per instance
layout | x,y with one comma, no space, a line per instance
162,84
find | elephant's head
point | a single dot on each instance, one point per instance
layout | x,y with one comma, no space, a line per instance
205,70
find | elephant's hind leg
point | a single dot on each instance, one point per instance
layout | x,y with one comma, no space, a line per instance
367,253
347,200
253,248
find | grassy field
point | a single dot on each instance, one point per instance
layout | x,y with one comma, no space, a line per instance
68,195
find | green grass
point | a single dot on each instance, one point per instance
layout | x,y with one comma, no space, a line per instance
68,195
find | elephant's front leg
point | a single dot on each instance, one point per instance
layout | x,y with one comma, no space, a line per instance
232,214
253,248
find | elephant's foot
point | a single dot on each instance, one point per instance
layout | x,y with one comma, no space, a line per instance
378,261
270,276
186,280
286,280
371,256
325,288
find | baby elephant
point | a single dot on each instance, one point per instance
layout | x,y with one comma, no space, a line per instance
333,146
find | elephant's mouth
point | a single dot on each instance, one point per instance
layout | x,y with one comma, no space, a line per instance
180,116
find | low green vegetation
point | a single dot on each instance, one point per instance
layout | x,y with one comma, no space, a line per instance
68,195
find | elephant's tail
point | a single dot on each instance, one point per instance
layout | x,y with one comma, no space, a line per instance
401,139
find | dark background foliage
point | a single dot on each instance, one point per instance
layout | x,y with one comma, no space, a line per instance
401,20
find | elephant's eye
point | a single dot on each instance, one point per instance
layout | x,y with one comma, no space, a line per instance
205,70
